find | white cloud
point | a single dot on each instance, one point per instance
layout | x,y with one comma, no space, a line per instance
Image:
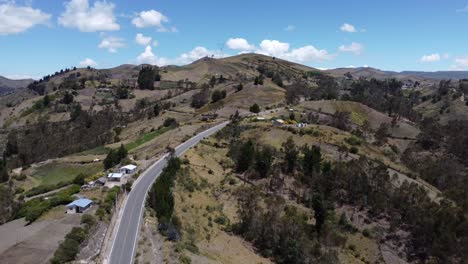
152,18
88,62
239,44
197,53
142,40
155,43
290,28
112,44
431,58
21,77
446,56
306,54
273,47
354,47
148,57
303,54
461,63
16,19
348,28
78,14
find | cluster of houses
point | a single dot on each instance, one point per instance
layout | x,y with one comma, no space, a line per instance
82,204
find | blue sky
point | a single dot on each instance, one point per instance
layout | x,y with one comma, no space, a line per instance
41,37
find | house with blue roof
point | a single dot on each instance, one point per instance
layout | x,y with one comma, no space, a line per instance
79,206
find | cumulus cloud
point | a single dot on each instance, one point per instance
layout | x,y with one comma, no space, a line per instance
348,28
142,40
273,47
197,53
239,44
148,57
282,50
16,19
79,14
354,47
431,58
152,18
88,62
155,43
112,44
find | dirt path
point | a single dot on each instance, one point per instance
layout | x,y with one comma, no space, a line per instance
47,193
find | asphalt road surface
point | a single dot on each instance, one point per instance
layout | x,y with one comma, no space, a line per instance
124,246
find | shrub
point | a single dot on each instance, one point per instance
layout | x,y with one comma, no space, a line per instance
88,220
170,122
354,150
366,232
255,108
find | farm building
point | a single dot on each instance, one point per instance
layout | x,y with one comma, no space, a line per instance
278,122
115,177
79,206
128,169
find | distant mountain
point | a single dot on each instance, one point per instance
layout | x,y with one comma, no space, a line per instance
368,72
8,85
439,74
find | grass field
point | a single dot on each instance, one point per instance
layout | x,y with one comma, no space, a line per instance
54,173
146,138
101,150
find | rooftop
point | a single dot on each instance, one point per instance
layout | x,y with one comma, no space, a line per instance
115,175
129,167
83,202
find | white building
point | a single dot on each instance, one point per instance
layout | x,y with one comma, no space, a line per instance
128,169
114,177
278,122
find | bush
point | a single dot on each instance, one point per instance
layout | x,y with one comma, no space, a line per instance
255,108
170,122
366,232
88,220
353,141
20,177
218,95
79,179
69,248
354,150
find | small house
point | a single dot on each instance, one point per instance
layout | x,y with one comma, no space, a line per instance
114,177
100,182
128,169
301,125
278,122
79,206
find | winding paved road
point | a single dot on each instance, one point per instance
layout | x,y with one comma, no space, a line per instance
124,244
